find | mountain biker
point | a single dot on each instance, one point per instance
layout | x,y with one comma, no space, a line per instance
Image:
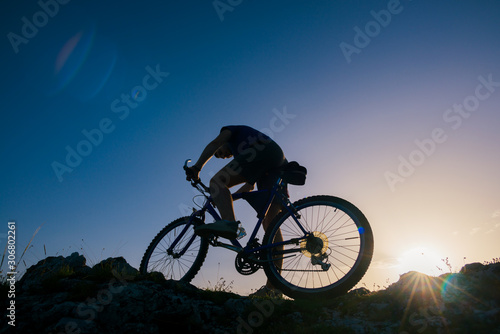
255,156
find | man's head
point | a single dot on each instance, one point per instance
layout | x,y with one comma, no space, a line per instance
223,152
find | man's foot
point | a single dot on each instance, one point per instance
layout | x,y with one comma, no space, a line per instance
265,292
221,228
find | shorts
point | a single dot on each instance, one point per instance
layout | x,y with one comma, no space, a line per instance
257,162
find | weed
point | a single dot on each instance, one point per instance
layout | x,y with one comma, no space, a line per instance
221,286
493,261
15,268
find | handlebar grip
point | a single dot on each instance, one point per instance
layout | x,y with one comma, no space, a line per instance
194,182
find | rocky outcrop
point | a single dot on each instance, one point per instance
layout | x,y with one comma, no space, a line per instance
64,295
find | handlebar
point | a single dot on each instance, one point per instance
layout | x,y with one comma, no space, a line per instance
196,183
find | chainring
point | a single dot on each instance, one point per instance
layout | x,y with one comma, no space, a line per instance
246,266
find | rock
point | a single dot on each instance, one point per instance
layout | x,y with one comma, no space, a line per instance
63,295
359,292
472,267
296,317
118,264
73,325
53,267
236,306
494,268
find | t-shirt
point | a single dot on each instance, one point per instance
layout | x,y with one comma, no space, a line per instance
243,137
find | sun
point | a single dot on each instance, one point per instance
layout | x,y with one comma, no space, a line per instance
421,259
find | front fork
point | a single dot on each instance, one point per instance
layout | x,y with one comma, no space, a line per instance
194,219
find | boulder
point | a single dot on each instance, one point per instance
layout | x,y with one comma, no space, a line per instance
63,295
52,268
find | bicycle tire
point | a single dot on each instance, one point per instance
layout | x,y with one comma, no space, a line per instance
342,235
182,268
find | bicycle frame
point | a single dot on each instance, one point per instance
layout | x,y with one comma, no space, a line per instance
235,244
318,247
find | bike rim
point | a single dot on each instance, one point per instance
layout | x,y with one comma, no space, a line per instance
338,242
175,266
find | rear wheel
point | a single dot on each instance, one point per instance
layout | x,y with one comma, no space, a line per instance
330,260
184,261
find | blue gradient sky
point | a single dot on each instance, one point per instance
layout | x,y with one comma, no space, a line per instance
351,120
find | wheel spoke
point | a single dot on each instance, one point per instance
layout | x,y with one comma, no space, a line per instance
334,238
175,266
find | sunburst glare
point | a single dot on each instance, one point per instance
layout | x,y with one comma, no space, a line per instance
421,259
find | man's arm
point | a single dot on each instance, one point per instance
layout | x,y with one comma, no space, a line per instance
210,149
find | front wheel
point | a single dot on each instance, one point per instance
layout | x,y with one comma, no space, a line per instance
182,261
327,261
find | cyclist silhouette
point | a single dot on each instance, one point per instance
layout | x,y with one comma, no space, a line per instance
303,243
256,155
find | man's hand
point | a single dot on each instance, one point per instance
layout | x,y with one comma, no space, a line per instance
192,173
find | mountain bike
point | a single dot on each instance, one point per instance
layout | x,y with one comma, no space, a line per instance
318,247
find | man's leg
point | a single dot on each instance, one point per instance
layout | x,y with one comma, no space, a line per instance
219,189
273,211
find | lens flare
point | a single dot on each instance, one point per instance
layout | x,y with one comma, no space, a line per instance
449,288
84,64
66,51
71,57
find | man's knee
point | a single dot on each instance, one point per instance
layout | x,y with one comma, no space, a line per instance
225,177
219,180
